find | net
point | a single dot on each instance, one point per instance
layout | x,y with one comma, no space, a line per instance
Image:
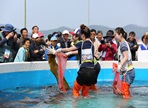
62,61
117,83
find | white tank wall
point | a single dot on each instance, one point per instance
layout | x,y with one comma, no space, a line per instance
29,66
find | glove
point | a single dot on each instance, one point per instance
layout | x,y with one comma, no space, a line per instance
58,44
119,68
68,53
116,67
58,50
51,51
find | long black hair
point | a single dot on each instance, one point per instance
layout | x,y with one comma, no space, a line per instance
120,30
26,39
85,30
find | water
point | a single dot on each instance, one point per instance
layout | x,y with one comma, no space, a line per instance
50,97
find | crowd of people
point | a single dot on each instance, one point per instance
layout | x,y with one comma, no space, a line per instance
20,47
87,46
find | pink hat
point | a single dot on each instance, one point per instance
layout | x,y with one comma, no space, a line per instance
72,33
41,34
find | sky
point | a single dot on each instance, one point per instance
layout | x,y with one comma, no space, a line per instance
51,14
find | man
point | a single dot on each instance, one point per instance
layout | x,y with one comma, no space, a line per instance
8,45
65,41
95,42
132,44
24,34
36,52
99,36
107,47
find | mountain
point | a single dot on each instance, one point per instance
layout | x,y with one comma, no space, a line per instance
61,29
139,30
104,29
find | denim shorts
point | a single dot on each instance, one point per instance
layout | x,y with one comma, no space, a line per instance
129,77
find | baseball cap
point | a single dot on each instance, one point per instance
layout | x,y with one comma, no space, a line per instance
41,34
53,38
35,35
76,31
65,32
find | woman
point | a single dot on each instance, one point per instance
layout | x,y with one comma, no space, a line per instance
86,73
125,65
107,48
97,65
23,53
144,45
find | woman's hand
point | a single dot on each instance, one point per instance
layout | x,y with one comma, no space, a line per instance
51,51
58,50
116,68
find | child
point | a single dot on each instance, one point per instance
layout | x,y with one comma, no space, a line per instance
125,66
86,73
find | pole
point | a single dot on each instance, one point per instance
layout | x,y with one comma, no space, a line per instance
24,13
88,12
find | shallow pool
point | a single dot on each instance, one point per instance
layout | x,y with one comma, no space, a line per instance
50,97
32,85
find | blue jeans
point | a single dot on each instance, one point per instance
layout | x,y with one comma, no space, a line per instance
129,77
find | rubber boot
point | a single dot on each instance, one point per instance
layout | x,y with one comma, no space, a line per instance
125,90
93,87
76,89
85,90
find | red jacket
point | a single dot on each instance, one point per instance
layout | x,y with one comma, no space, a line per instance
110,51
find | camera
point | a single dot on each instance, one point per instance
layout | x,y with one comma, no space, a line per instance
17,34
102,42
106,40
